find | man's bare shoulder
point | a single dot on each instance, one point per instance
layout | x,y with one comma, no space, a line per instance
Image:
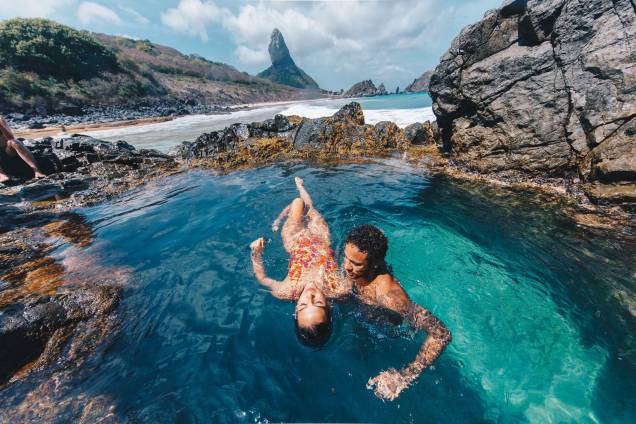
387,285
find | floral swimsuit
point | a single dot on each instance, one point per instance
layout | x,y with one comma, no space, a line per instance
310,251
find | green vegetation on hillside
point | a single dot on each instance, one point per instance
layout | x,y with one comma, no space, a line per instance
47,66
50,49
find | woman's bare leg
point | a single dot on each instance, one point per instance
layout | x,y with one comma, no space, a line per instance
18,148
294,223
317,223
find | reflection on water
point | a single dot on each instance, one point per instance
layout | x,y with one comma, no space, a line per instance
538,307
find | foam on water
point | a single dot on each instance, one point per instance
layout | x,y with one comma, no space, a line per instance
402,117
401,109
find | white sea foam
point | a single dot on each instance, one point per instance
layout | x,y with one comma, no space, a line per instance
402,117
164,135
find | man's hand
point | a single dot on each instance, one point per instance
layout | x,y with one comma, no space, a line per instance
388,384
257,245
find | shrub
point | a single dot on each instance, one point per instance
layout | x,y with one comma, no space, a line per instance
50,49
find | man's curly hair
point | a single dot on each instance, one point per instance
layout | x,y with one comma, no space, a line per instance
370,240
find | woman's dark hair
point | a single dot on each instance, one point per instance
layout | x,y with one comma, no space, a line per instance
370,240
315,335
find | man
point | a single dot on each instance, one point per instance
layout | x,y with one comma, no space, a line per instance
365,266
15,158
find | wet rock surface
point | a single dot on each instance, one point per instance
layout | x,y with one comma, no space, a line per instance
339,137
545,89
44,300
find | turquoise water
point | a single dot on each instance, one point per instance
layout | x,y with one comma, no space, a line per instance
539,309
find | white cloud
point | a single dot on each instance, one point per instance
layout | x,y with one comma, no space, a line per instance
251,57
192,17
141,19
89,12
319,29
32,8
342,40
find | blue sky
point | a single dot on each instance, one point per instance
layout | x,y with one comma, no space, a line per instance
338,43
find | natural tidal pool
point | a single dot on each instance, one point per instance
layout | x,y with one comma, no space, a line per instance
541,310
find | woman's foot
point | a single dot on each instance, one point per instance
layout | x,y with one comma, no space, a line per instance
4,178
38,174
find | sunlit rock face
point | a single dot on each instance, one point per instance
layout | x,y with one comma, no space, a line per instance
546,88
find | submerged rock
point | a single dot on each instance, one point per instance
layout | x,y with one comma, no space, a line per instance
544,88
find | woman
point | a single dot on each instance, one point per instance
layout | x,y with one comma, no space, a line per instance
15,158
312,276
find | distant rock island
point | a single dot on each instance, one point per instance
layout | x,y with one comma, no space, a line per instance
420,83
365,89
284,70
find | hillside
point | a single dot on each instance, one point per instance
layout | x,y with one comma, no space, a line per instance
46,67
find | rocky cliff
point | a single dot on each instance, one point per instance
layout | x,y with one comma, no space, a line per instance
545,88
420,83
284,70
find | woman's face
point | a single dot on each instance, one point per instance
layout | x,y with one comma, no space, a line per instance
312,307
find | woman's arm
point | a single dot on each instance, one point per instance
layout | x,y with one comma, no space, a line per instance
279,290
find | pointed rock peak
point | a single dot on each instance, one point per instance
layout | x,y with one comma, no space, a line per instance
278,51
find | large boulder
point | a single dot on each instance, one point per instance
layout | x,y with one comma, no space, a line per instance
543,87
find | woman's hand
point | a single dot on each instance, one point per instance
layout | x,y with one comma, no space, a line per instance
388,384
257,245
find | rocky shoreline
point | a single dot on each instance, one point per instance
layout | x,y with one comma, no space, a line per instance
51,313
76,115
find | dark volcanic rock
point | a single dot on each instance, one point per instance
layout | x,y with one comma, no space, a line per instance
420,83
363,89
419,133
283,69
42,303
342,135
545,88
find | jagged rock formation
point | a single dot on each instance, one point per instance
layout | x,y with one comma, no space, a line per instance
284,70
365,88
341,136
420,83
546,88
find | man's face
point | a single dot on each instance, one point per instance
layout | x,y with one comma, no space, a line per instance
356,263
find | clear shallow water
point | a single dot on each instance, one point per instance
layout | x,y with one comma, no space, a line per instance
537,307
403,109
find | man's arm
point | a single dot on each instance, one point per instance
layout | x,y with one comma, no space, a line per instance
390,383
279,290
